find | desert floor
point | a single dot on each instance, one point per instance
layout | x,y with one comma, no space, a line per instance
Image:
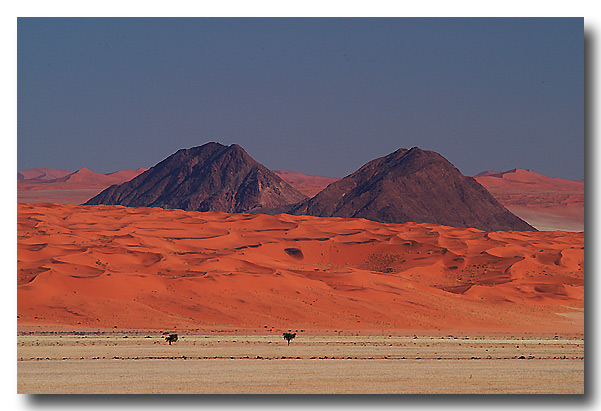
551,218
262,364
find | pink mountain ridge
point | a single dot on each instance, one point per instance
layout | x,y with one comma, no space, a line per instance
42,173
54,185
518,177
306,184
547,203
527,188
59,179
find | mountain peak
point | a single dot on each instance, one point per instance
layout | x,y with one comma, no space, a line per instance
84,170
412,185
236,147
85,175
211,177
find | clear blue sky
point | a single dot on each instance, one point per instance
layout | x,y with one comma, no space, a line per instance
319,96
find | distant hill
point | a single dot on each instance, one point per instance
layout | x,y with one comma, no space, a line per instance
527,181
211,177
42,174
125,175
80,179
548,203
411,185
51,185
306,184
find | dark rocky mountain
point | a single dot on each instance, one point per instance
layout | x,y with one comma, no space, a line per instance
212,177
411,185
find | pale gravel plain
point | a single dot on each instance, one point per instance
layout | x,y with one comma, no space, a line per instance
213,364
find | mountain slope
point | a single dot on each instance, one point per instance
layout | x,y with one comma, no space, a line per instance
412,185
211,177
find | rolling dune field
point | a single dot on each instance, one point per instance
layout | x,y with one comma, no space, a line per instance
101,267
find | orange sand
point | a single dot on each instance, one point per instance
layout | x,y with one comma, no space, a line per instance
107,266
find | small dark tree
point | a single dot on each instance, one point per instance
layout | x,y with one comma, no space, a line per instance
171,338
289,337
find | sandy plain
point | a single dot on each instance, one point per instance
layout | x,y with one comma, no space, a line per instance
311,364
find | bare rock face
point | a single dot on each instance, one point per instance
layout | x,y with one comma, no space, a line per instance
412,185
211,177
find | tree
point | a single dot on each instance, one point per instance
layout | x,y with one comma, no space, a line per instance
289,336
171,338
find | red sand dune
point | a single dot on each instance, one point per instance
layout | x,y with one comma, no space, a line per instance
306,184
42,173
80,179
70,188
106,266
547,203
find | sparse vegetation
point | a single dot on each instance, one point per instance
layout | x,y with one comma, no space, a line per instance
171,338
289,337
381,262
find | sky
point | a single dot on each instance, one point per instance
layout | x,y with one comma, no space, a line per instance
321,96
